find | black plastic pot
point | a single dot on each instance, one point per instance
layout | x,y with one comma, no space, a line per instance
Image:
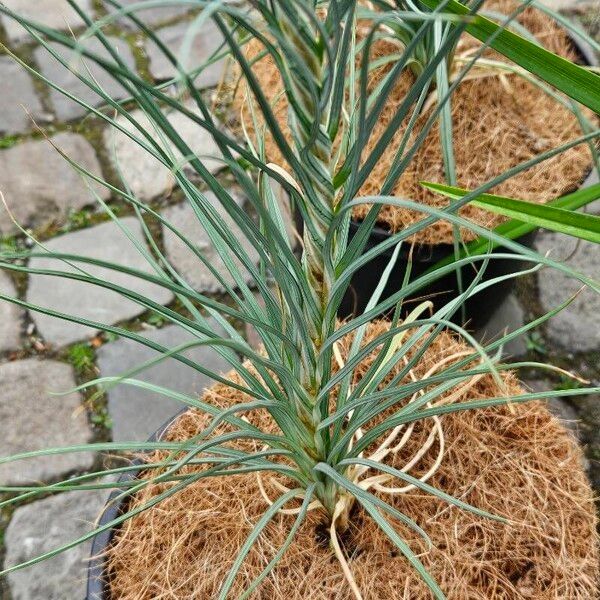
97,585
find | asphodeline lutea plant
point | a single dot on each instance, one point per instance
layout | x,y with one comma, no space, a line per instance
326,441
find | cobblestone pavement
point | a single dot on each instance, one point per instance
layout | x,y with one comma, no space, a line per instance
39,354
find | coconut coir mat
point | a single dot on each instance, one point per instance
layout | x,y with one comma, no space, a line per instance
497,124
516,462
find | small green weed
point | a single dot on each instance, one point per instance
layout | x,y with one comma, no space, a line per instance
81,356
76,220
101,418
156,320
8,244
8,141
567,383
535,343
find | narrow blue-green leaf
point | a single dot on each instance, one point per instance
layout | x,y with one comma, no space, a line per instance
404,548
421,485
308,495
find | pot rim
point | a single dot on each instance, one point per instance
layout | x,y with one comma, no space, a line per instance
96,584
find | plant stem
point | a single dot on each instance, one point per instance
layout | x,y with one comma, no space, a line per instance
308,119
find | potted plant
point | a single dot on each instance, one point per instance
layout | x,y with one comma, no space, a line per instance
514,114
365,458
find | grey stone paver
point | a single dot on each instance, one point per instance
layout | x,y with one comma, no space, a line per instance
106,242
11,316
559,407
149,16
588,411
577,328
508,317
40,186
206,40
195,272
33,419
67,109
18,99
43,526
593,179
144,174
137,413
52,13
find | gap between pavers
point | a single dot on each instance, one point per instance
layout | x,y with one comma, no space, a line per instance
85,300
11,316
31,418
137,413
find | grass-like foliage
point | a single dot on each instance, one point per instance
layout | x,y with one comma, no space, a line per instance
291,296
